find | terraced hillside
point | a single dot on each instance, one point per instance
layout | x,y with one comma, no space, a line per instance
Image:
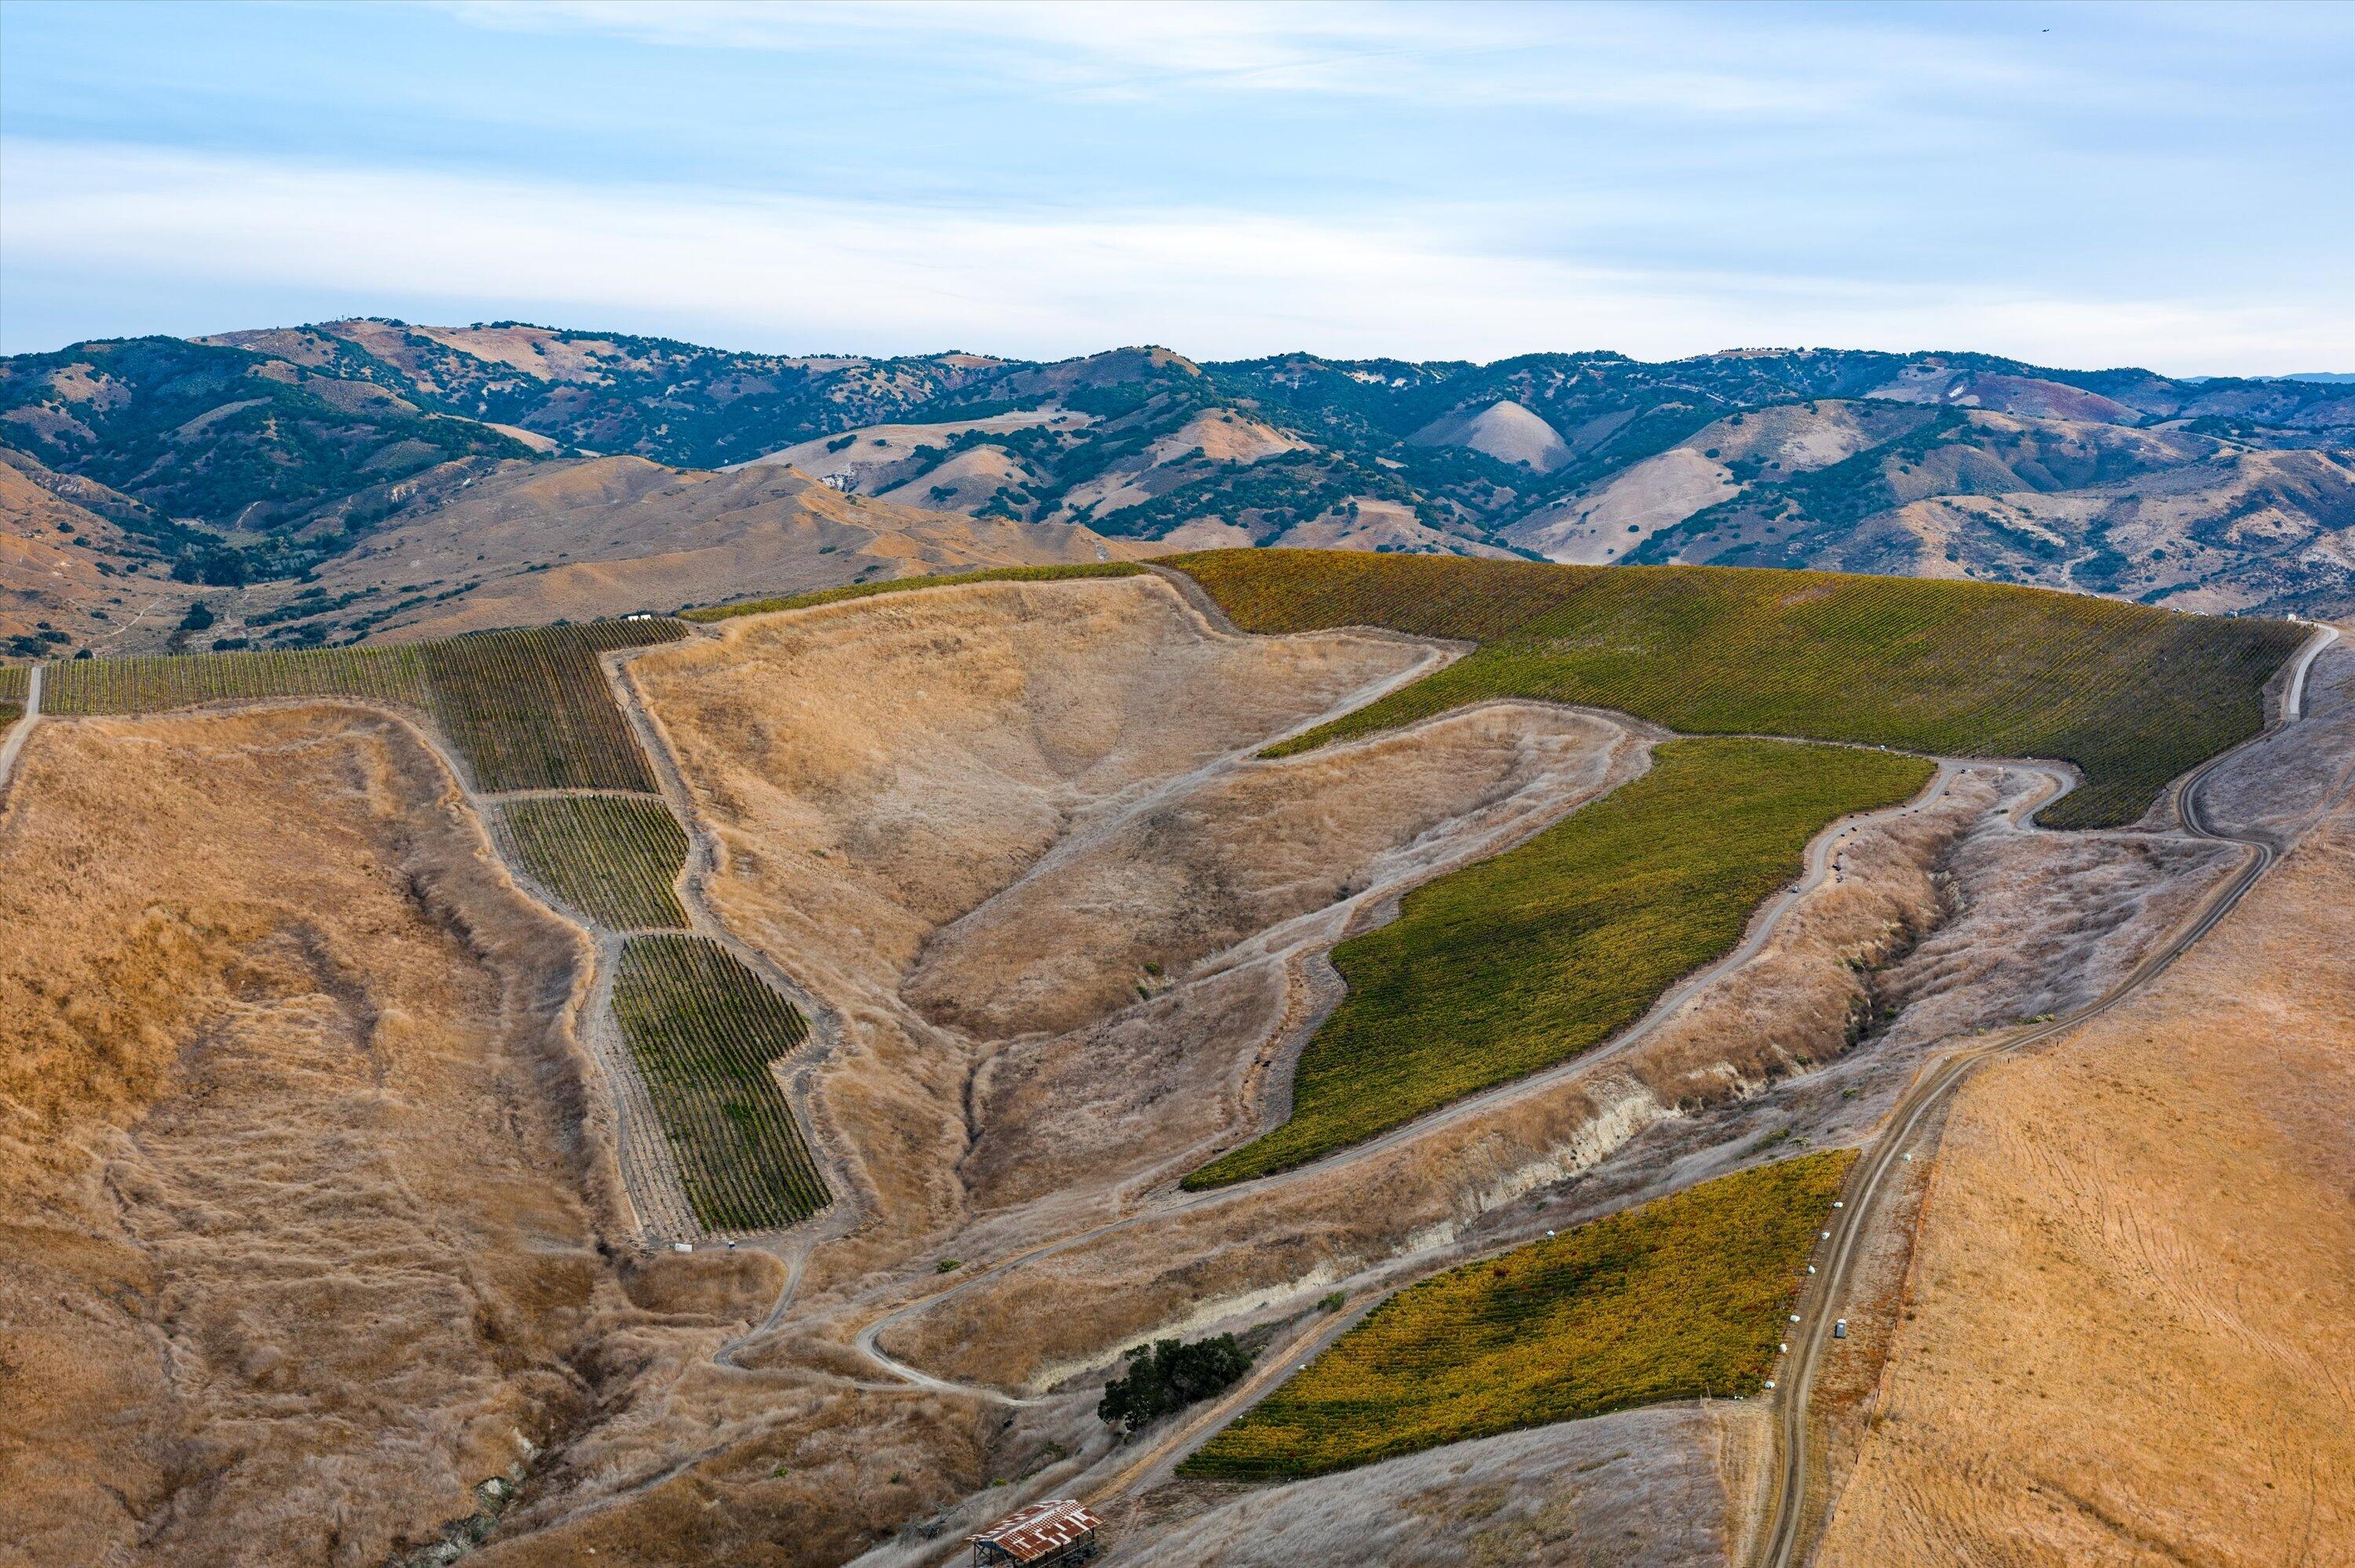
1682,1298
2134,696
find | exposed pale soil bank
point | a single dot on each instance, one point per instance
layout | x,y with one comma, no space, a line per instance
2132,1309
1638,1490
880,777
987,807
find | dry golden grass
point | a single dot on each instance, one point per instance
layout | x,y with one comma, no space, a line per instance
875,769
294,1248
579,539
2131,1309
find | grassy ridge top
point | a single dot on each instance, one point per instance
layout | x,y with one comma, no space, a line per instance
900,585
1547,950
526,709
1684,1297
2132,696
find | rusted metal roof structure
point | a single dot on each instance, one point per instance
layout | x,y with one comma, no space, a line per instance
1055,1532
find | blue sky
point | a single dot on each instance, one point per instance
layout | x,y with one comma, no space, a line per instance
2077,186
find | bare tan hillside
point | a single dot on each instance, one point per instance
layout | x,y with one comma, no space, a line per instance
297,1248
2131,1311
1506,430
877,458
877,770
52,545
578,539
2238,532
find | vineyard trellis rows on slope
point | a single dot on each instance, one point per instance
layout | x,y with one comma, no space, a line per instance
2133,696
16,681
1535,954
1684,1297
616,858
532,710
704,1031
141,683
526,710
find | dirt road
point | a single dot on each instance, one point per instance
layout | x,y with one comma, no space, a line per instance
1782,1538
13,742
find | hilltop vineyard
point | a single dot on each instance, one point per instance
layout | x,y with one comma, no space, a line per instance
155,682
531,710
704,1029
2133,696
1682,1299
613,857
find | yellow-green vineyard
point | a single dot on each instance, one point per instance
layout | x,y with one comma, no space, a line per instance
2132,696
613,857
527,710
1535,955
704,1029
1682,1298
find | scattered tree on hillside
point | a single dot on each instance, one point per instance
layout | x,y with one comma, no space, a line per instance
1166,1376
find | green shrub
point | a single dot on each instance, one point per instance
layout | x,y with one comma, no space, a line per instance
1166,1376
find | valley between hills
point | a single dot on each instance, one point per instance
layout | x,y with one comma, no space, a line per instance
620,952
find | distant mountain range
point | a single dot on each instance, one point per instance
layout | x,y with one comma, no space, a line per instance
256,462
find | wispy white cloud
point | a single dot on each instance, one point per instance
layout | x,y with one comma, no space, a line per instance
797,272
1715,62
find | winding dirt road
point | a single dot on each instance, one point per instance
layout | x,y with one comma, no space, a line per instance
1762,926
1782,1540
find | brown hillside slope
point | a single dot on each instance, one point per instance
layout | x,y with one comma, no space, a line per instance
575,540
294,1255
2132,1309
51,544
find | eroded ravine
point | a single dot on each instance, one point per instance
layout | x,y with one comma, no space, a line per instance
829,1312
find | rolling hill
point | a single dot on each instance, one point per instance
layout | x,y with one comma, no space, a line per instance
311,456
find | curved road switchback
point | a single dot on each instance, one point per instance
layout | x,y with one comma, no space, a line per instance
1764,923
1781,1541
